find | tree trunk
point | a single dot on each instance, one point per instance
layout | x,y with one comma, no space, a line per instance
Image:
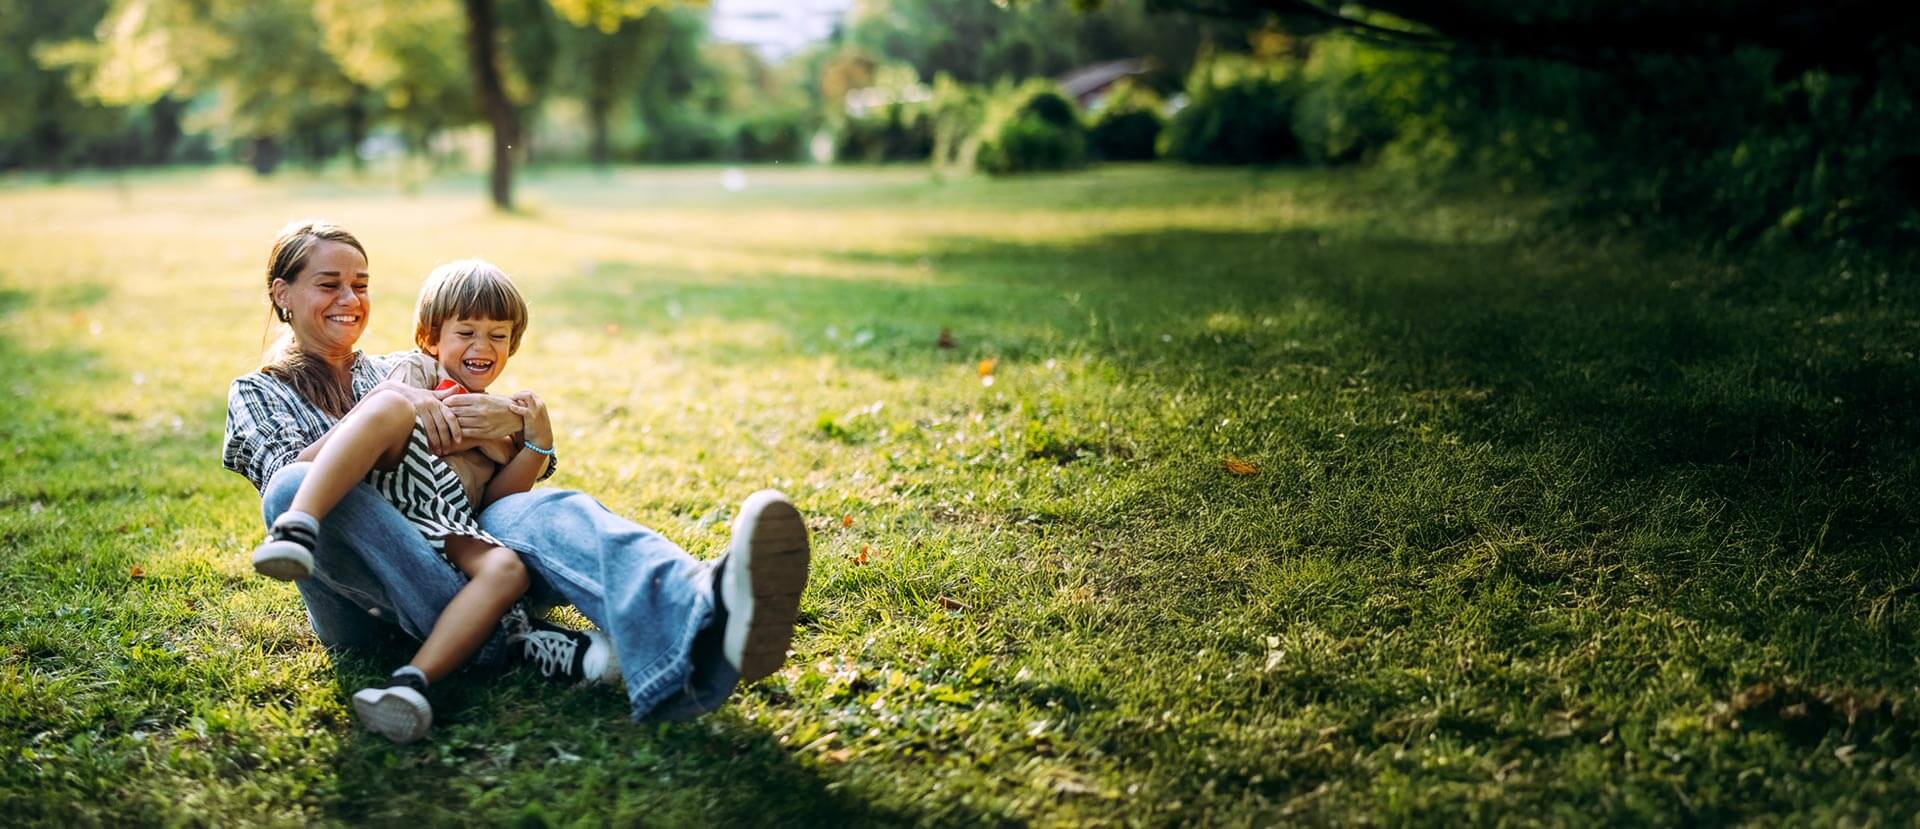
597,109
356,133
265,155
481,28
166,131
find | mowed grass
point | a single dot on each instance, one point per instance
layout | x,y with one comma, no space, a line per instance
1535,531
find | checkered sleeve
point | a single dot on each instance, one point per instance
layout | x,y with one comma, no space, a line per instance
267,427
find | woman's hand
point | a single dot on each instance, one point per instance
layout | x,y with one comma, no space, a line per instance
486,416
436,417
535,426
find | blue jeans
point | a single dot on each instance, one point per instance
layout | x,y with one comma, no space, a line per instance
646,593
373,569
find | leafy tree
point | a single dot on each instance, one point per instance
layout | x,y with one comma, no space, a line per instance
262,62
606,67
1835,37
41,117
981,43
409,54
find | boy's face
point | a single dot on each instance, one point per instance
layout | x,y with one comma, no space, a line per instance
473,351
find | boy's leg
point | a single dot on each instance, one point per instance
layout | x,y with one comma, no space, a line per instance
371,566
375,433
496,578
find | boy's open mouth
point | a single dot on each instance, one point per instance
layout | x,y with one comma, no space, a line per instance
478,366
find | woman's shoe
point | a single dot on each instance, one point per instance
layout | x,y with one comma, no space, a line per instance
761,579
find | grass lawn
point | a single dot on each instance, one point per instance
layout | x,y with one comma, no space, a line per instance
1241,498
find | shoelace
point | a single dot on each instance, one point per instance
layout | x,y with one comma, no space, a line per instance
552,651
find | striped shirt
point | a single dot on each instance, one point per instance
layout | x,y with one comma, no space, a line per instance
269,424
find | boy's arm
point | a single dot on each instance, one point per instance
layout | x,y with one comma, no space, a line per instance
518,475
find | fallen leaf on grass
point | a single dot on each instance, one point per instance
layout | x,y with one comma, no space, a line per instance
862,557
137,572
836,756
986,366
951,603
846,520
1240,467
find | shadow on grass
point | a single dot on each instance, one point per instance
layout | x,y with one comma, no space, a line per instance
530,753
1662,409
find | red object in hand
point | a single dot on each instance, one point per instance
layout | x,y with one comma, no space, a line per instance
451,384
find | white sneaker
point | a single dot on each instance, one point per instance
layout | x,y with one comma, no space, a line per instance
761,579
398,711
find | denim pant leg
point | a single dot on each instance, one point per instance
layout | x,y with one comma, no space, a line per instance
646,593
371,568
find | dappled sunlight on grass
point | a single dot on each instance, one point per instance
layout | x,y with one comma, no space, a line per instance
1516,525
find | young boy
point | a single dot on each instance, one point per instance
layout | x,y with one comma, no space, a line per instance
469,320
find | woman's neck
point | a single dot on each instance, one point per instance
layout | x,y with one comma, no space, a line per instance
341,363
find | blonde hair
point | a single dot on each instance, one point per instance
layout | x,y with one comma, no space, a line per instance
468,289
311,378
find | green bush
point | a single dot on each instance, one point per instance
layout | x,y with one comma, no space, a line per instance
1240,112
1345,111
772,136
957,110
1128,127
1731,148
682,135
895,132
1031,127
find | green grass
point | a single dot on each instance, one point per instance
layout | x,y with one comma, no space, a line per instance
1541,531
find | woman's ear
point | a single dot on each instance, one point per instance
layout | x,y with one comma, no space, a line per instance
277,292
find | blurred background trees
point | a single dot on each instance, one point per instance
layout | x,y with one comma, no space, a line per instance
1746,124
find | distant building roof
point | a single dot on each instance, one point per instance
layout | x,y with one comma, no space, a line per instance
1088,84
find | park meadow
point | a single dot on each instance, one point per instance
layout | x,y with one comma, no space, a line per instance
1140,495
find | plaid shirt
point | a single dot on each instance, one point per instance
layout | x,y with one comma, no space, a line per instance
269,424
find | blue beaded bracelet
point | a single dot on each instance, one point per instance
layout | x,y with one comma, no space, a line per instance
529,445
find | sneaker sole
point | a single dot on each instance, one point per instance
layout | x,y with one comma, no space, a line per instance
761,613
283,560
398,714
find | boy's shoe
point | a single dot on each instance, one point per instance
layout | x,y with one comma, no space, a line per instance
398,710
582,657
288,552
761,579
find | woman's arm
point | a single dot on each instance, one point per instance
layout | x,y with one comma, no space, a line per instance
267,427
518,475
488,416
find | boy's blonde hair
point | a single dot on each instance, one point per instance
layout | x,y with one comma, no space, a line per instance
468,289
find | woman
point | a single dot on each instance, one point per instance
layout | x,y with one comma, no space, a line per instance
685,632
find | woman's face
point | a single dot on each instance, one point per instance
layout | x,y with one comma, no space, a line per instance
328,302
